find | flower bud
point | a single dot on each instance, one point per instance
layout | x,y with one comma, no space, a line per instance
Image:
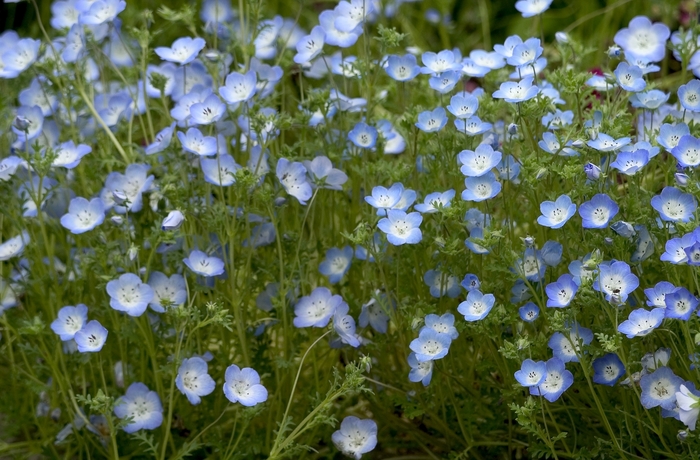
529,241
681,179
173,221
562,38
132,253
614,52
512,129
119,197
22,123
117,220
592,171
682,435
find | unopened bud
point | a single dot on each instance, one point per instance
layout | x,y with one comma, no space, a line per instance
173,221
562,38
592,171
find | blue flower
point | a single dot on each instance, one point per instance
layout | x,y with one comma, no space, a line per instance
470,282
402,68
441,284
91,337
430,345
641,322
140,405
529,312
476,306
561,293
193,379
420,371
656,296
435,201
317,308
670,135
472,126
630,77
310,46
68,155
401,228
509,169
101,12
531,266
445,82
674,205
172,221
650,100
243,386
129,294
567,346
598,212
680,304
70,320
630,162
333,36
363,136
203,265
83,215
608,369
605,143
689,96
432,121
196,142
443,61
525,53
592,171
551,253
355,436
14,247
479,162
481,188
394,142
344,325
556,382
558,119
686,150
384,199
531,373
219,171
642,39
616,281
28,124
337,263
239,87
292,176
167,292
693,254
687,398
676,249
659,388
556,213
517,92
463,105
442,324
551,144
352,14
162,140
374,313
183,50
209,111
530,8
124,191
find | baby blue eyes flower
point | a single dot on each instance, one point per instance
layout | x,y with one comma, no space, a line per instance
481,188
556,382
204,265
324,175
656,296
83,215
650,100
142,406
68,155
442,284
659,388
629,163
420,371
530,8
517,92
432,121
129,294
642,39
434,201
445,82
167,292
605,143
430,345
28,123
337,263
567,346
670,135
531,373
193,379
680,304
344,326
615,280
641,322
556,213
383,199
444,61
316,309
239,87
91,337
210,110
401,228
592,171
183,50
374,314
442,324
172,221
70,320
463,105
529,312
402,68
14,246
310,46
363,136
292,176
219,171
356,436
561,293
629,77
101,12
674,205
686,150
526,53
479,162
334,36
470,282
689,96
608,369
472,126
352,14
243,386
551,144
476,306
598,212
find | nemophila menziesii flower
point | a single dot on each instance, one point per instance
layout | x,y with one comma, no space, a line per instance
606,143
556,213
463,105
374,314
101,12
686,150
514,92
170,292
531,265
83,215
678,249
142,406
642,39
292,176
129,294
529,312
472,126
656,296
659,358
531,373
434,201
481,188
384,199
68,155
243,386
550,143
70,320
530,8
629,163
561,293
630,77
401,227
18,57
688,400
558,119
355,436
598,211
693,252
420,371
615,280
337,263
479,162
310,46
220,170
641,322
209,111
317,308
193,379
689,96
394,142
470,282
183,50
172,221
525,53
14,246
91,337
322,173
650,100
333,35
680,304
567,346
442,324
670,135
624,229
592,171
437,63
430,345
556,381
402,68
239,87
431,121
128,187
673,205
363,135
659,388
29,122
203,265
445,82
8,167
608,369
344,325
476,306
441,284
196,142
